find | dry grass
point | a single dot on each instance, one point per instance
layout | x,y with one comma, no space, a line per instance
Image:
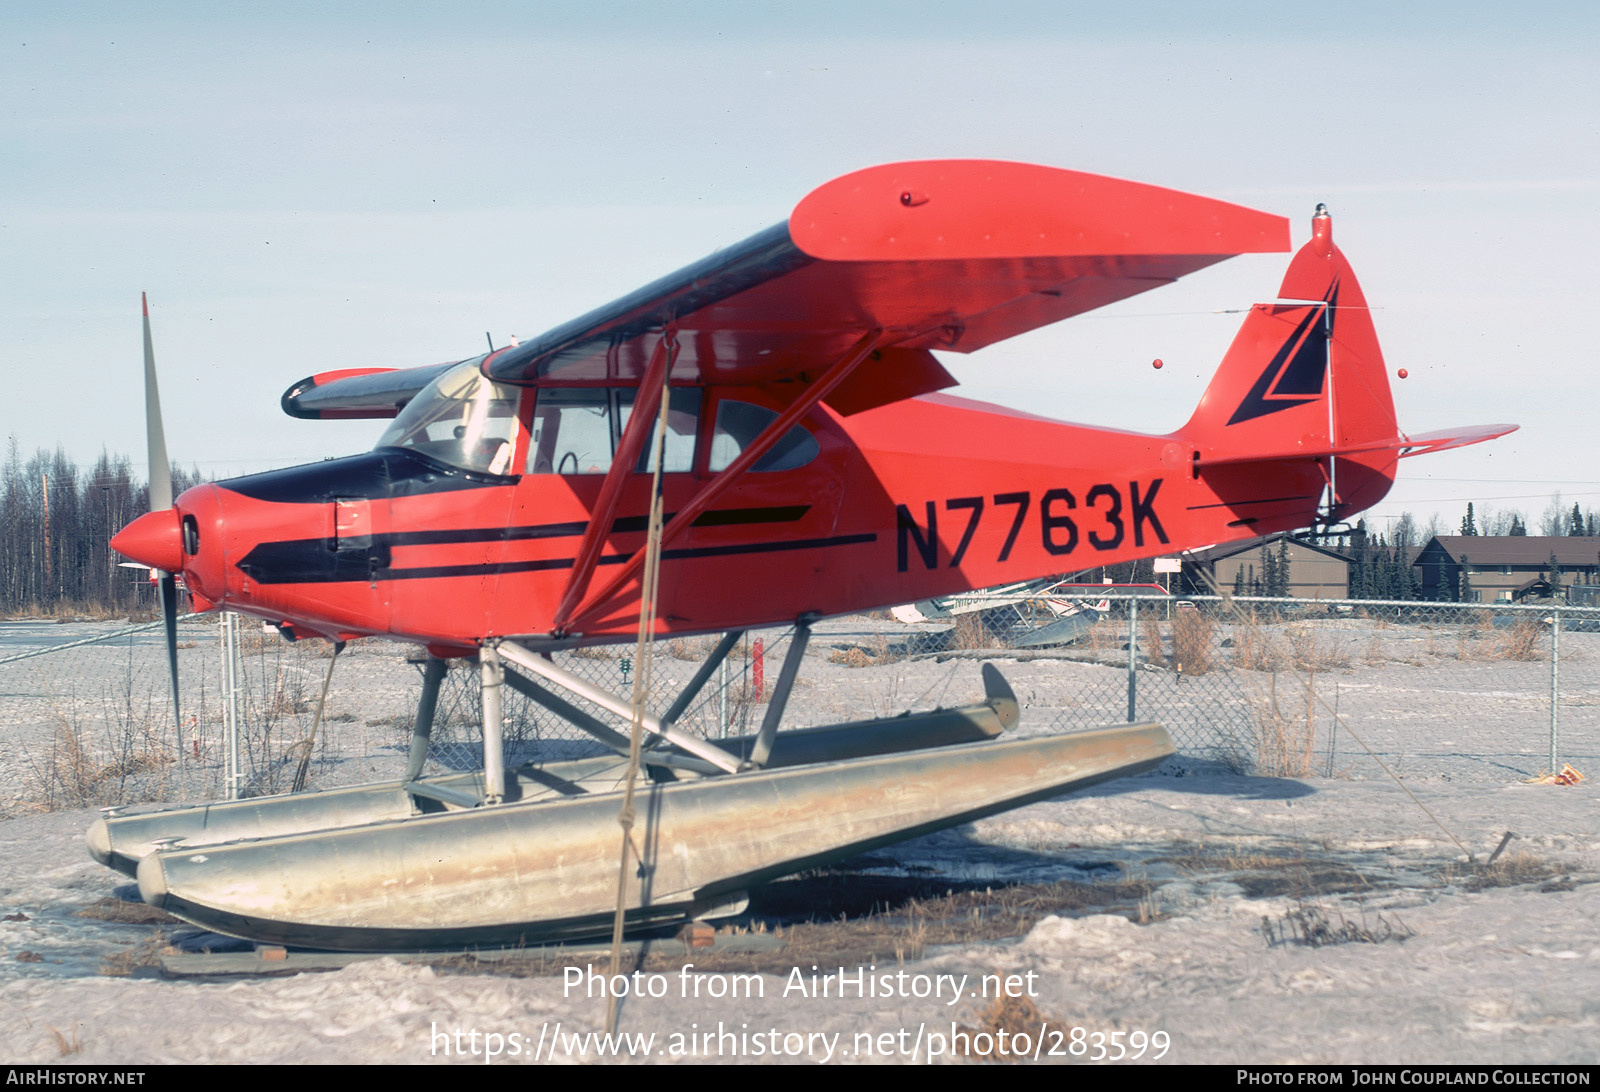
1376,653
1194,642
1151,642
67,1046
969,632
1510,870
1314,651
1274,874
691,649
875,653
142,956
131,761
903,933
594,652
1285,739
1254,649
1521,641
78,610
126,912
1481,640
1106,635
1007,1031
1199,857
120,747
1310,926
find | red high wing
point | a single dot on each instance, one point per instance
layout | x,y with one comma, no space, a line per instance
943,254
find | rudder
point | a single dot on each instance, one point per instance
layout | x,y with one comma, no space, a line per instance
1305,379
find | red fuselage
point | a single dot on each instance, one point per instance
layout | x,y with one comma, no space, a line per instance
919,498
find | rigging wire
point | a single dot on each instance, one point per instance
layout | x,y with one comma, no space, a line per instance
641,679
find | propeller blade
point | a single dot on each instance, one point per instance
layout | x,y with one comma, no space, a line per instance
155,436
160,500
169,617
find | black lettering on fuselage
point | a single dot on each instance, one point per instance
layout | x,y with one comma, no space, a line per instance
976,504
1021,501
906,528
1144,511
1059,532
1113,516
1051,523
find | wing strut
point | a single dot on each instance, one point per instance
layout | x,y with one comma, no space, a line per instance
640,422
718,485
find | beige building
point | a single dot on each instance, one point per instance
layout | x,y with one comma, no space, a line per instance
1315,572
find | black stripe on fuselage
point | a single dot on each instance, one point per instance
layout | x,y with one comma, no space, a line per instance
324,561
429,572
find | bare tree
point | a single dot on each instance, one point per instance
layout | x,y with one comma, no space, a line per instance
1403,531
1553,521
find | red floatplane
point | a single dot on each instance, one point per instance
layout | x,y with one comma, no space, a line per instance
775,407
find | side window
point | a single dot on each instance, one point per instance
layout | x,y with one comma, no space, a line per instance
683,423
571,432
738,423
576,429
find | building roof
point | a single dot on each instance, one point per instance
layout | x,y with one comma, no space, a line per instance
1231,549
1572,550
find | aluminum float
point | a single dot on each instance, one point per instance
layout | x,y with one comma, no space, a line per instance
546,870
122,840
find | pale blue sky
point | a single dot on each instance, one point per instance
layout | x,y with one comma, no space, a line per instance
301,190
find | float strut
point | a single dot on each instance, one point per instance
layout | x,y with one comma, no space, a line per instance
432,675
572,684
494,766
762,749
713,662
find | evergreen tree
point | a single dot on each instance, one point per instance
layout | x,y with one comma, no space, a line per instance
1285,569
1517,526
1465,593
1444,586
1360,563
1468,528
1405,576
1384,576
1575,521
1238,580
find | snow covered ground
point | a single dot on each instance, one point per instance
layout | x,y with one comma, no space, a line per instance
1501,975
1484,973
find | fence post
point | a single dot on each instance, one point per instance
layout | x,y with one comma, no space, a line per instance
1555,689
227,631
1133,663
722,699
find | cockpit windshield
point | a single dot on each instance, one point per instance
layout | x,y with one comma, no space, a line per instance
461,419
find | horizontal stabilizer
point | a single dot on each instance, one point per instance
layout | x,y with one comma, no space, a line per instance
1426,442
1421,444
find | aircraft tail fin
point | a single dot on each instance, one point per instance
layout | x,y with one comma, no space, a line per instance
1305,380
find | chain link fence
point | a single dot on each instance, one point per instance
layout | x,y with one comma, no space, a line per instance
1273,686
